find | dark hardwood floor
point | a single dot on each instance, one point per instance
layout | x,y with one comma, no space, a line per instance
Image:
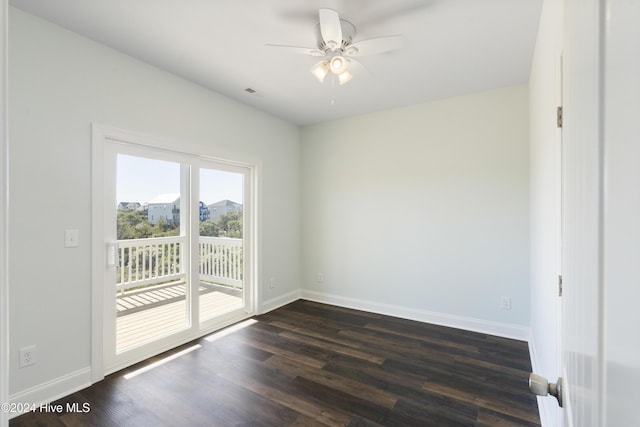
309,364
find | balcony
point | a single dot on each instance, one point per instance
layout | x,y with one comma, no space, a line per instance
151,290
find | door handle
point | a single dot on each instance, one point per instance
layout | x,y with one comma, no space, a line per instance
112,255
540,386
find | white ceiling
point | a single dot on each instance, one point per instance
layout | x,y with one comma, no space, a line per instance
452,47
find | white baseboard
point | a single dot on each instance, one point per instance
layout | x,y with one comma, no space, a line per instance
278,302
52,390
505,330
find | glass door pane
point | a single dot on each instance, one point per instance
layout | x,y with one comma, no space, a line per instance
151,269
221,243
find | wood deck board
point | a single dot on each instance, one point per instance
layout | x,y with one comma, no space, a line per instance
165,313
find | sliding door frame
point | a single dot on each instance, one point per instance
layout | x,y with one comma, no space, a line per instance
102,138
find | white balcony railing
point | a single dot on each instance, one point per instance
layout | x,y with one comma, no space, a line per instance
144,262
221,260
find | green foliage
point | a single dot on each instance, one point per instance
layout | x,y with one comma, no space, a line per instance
230,224
227,225
134,225
164,229
208,228
131,225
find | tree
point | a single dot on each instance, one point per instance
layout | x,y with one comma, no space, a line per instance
208,228
128,225
134,225
164,229
230,224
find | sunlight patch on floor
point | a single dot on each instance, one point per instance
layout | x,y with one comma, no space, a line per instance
161,362
230,330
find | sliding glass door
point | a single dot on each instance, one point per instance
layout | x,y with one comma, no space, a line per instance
152,285
178,252
220,242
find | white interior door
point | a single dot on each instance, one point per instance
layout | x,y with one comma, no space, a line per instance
582,215
602,211
621,225
559,223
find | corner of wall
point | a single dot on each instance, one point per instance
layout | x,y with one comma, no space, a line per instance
279,301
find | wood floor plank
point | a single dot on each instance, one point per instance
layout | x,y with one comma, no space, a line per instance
345,402
434,411
323,334
314,362
426,339
324,414
355,388
336,348
489,418
310,364
500,406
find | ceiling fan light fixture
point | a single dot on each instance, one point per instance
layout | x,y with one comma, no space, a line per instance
344,77
320,70
338,64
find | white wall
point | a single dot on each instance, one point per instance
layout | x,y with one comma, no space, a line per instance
422,211
545,180
59,84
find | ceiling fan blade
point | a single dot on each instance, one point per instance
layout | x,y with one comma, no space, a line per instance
375,46
298,49
330,27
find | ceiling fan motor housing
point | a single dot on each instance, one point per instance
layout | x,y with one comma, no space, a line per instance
348,32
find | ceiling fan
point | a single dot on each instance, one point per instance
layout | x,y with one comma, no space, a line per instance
336,46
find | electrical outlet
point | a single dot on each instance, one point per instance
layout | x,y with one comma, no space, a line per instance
505,303
272,282
320,278
27,356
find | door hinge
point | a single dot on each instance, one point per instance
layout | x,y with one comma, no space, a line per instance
560,285
559,116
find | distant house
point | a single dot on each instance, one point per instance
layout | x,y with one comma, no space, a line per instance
204,212
165,206
129,206
223,207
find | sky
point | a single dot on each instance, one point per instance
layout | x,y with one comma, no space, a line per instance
141,179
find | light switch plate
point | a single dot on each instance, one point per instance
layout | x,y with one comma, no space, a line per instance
71,238
505,303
